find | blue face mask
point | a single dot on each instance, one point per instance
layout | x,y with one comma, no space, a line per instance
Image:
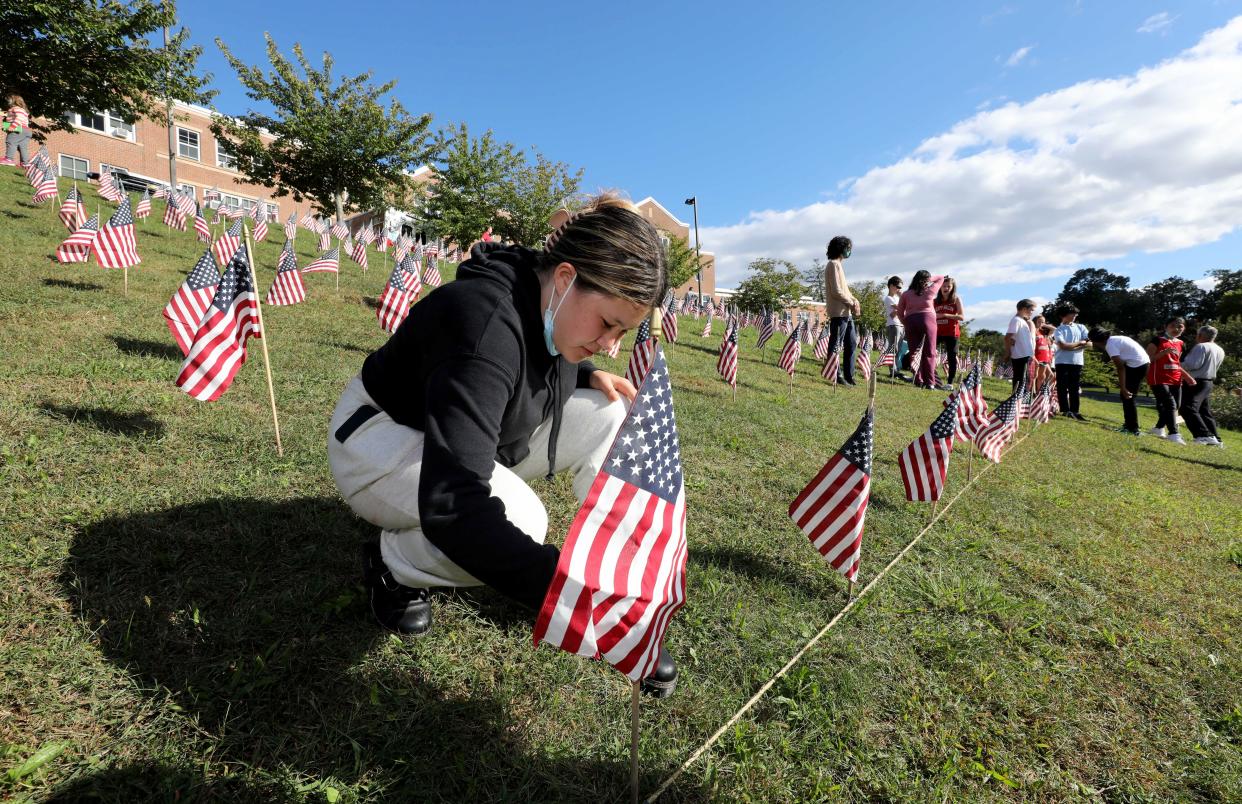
549,318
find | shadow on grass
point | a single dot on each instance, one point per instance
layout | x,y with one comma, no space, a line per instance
348,347
71,285
137,425
1208,464
758,568
251,615
145,348
13,215
371,302
157,782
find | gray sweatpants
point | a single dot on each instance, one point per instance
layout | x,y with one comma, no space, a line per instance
378,467
16,141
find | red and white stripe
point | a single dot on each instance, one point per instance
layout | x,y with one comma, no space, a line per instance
115,247
863,362
225,247
831,366
72,212
201,228
287,288
219,348
924,464
77,247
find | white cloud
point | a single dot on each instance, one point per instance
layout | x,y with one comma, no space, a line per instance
995,314
1028,191
1206,283
1156,23
1016,57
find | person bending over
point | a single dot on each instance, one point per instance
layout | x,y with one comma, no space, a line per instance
486,385
1131,363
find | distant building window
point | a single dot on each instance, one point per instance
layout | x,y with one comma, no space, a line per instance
73,168
225,157
189,190
236,202
187,143
104,123
273,212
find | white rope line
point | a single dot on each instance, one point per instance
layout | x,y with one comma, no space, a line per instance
815,639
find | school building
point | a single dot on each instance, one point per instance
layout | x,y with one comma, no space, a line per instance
669,224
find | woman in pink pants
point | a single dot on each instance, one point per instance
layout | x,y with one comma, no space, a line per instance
917,313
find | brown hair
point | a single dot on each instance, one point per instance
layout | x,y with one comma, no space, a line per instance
614,249
17,100
940,293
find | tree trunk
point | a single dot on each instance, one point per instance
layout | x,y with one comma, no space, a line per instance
339,198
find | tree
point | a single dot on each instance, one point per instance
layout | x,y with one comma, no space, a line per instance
531,195
773,285
1227,282
870,297
1098,294
67,56
680,260
988,341
473,176
1230,306
334,142
813,278
1169,298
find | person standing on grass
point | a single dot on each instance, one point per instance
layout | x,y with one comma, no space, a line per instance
1201,364
1165,376
17,131
1043,350
1131,361
919,318
1070,339
841,307
486,386
949,317
894,331
1020,340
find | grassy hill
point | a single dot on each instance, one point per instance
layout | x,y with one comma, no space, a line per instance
181,618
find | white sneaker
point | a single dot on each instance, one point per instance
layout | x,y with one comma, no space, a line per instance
1208,441
1175,438
1156,431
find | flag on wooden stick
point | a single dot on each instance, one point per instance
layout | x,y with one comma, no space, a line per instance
726,363
329,261
287,289
144,204
77,247
925,462
218,348
115,246
1000,426
227,243
185,310
394,303
72,211
641,356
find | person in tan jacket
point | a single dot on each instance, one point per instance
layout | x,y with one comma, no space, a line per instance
841,307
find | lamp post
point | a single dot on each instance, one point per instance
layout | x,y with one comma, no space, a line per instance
693,201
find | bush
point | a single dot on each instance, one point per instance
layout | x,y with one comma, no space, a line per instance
1227,408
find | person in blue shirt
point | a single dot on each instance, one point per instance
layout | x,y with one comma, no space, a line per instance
1071,341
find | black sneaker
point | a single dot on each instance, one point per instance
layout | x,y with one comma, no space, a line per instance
403,610
1079,417
662,682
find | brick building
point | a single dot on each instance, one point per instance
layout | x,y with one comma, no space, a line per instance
140,150
668,223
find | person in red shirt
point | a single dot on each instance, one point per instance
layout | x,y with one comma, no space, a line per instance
1165,376
949,317
1043,350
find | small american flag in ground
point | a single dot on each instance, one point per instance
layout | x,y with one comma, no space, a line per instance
726,363
160,192
114,245
260,225
227,243
821,343
339,230
972,408
308,222
766,330
186,203
329,261
366,235
640,357
200,226
144,205
431,272
110,188
219,346
925,461
832,509
174,218
792,352
863,362
621,575
707,327
888,358
394,302
1000,426
358,253
35,168
668,321
287,289
1041,407
325,241
46,188
832,366
381,243
185,310
72,212
291,226
77,247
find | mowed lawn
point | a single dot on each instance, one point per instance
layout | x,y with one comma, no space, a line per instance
181,617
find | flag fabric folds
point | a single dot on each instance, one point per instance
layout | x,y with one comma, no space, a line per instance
287,288
641,356
174,218
832,366
792,351
218,348
144,205
77,247
621,575
1000,426
358,253
726,363
72,211
394,303
832,509
668,320
329,261
972,408
114,245
46,188
260,224
863,362
185,310
925,462
227,243
766,329
200,226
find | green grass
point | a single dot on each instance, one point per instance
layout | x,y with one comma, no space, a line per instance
181,619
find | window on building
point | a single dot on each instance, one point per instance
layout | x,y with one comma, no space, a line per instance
73,168
273,212
104,123
189,190
225,157
187,143
236,202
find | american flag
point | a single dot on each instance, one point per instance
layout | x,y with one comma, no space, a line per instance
358,253
832,366
766,329
1041,407
218,349
72,211
707,327
160,192
287,289
114,245
1000,426
291,226
77,247
400,249
668,320
726,363
325,240
200,226
1024,405
227,243
431,271
641,356
308,222
35,168
972,408
889,357
185,310
394,302
174,218
339,230
821,343
260,224
381,242
621,575
46,188
832,509
863,361
366,236
329,261
412,279
988,366
110,188
792,352
144,205
925,461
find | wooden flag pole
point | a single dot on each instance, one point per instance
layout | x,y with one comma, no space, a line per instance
849,590
634,698
932,518
267,363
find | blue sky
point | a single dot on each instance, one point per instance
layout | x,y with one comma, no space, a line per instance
876,120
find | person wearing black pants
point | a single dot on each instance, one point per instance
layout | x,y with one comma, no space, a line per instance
841,306
1202,363
1020,340
949,316
1131,361
841,331
1071,340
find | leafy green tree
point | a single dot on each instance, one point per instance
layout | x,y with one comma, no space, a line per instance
531,195
67,56
1227,282
813,278
1167,299
870,297
335,142
680,260
1098,294
773,285
987,341
1229,307
473,176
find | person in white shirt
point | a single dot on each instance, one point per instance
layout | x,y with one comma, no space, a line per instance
1070,340
1202,362
894,331
1131,361
1020,340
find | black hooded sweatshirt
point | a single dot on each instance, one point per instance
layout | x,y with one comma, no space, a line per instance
469,368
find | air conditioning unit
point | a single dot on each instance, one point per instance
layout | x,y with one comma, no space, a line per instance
116,132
